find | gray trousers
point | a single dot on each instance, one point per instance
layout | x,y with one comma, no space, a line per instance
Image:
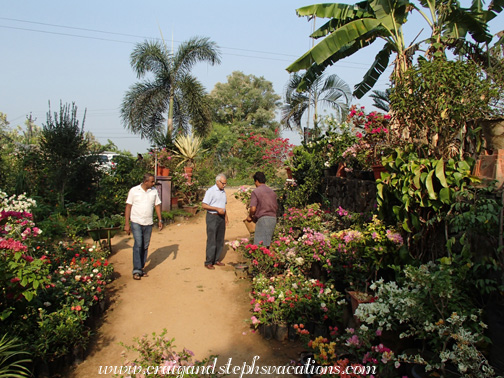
265,227
216,229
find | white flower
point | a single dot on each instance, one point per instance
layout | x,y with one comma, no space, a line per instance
299,261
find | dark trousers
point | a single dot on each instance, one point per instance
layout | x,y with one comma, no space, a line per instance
215,228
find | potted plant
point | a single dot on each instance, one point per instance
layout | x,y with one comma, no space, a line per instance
189,147
186,190
165,161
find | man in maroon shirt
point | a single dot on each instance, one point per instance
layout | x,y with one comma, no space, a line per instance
263,210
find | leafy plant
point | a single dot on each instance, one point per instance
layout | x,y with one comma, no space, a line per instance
417,192
189,147
13,358
444,95
307,169
157,357
64,148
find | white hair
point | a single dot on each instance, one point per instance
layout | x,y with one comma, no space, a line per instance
220,176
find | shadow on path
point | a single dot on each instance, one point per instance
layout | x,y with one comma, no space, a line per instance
160,255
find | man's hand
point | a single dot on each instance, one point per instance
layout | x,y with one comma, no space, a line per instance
220,211
160,225
127,228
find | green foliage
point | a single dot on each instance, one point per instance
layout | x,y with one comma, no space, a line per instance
13,358
114,186
436,99
307,169
245,103
240,156
417,192
58,332
158,352
65,161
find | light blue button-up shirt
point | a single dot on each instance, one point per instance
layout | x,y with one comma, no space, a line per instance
216,198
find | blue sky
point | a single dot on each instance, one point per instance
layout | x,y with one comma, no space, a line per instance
79,52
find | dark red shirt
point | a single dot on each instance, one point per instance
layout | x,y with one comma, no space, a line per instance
264,199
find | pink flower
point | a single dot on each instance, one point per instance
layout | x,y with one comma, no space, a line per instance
254,320
353,341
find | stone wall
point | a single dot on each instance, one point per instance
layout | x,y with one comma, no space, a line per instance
353,195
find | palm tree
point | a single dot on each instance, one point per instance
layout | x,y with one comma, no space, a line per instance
330,91
172,91
381,99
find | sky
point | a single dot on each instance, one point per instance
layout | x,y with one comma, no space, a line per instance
79,52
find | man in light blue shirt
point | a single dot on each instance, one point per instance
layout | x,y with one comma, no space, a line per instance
214,203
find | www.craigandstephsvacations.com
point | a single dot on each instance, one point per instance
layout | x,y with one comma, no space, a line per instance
242,369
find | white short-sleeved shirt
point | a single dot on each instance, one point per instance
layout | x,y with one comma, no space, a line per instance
142,204
215,197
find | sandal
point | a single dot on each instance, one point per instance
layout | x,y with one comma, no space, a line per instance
144,274
137,276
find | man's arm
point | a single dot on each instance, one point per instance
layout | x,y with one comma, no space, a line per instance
160,219
127,213
252,211
219,210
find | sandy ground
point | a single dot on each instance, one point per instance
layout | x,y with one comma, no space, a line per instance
204,310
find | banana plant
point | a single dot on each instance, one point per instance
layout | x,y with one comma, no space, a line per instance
351,28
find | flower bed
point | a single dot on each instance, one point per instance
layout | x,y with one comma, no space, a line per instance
426,308
49,291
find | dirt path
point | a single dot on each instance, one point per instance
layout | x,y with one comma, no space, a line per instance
204,310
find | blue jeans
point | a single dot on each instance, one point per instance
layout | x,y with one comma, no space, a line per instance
142,236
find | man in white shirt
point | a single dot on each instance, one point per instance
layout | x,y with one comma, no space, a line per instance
142,200
214,203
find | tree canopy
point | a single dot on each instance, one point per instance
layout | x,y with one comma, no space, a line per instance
245,101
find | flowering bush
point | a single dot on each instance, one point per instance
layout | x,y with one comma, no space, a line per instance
309,248
372,140
243,195
307,217
257,152
429,303
264,260
356,256
166,159
157,357
22,273
293,299
47,291
19,203
336,140
353,347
